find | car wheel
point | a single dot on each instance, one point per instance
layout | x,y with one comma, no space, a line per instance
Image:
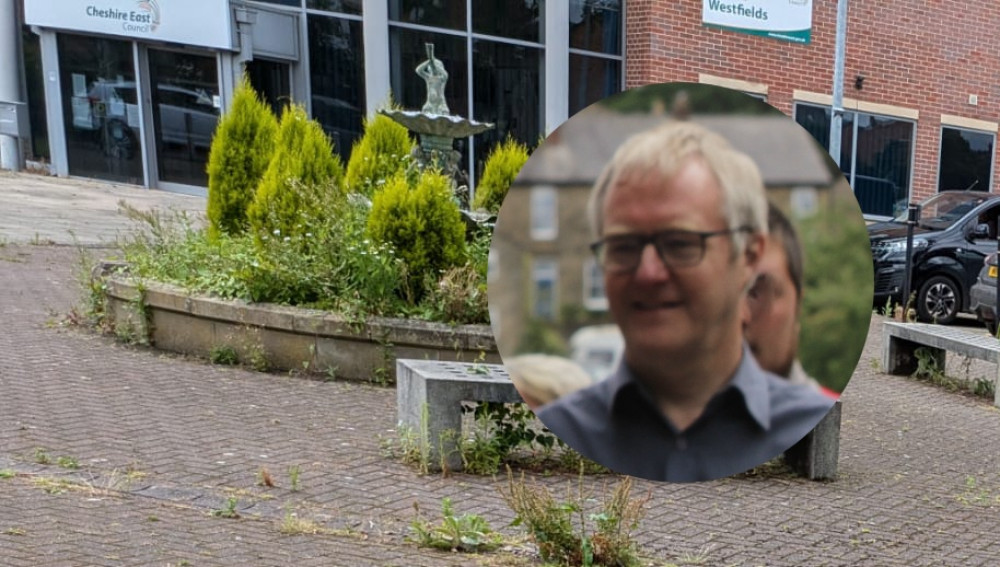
938,300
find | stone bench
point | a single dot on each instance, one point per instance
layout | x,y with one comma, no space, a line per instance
901,340
815,457
429,396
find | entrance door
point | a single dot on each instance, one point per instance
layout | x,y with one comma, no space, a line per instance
186,104
272,81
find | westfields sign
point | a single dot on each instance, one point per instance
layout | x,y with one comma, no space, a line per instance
188,22
789,20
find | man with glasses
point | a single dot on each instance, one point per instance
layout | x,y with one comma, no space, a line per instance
680,219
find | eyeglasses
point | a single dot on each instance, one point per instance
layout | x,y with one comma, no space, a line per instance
676,248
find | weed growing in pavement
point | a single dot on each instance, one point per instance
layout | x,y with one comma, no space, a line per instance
468,532
229,510
7,473
223,354
560,529
976,494
293,525
14,531
42,457
293,477
929,370
67,462
407,446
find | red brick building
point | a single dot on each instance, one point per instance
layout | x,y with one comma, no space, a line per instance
920,84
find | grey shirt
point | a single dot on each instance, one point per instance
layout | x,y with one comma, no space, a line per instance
755,417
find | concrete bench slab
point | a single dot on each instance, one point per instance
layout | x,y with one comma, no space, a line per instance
901,340
429,396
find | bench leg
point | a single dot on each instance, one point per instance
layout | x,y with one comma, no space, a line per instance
816,455
899,355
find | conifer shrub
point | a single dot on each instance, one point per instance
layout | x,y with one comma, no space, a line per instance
501,168
241,150
422,224
303,157
378,155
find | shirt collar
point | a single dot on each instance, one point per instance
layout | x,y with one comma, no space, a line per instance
749,380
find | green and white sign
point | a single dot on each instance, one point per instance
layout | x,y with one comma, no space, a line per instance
788,20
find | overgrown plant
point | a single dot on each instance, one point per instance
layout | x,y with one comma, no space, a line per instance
502,166
422,224
468,532
303,157
241,150
382,152
561,530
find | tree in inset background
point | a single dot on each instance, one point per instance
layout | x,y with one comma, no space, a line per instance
241,150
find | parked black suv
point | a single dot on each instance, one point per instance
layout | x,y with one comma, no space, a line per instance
955,232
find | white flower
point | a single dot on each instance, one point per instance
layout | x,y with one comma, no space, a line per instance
287,239
277,232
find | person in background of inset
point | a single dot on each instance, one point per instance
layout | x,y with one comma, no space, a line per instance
774,304
541,378
681,222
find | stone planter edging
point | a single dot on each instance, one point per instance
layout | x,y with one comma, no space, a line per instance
286,338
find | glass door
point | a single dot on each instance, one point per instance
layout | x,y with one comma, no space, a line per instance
272,81
186,104
100,108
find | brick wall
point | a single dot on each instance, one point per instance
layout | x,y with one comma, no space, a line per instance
926,56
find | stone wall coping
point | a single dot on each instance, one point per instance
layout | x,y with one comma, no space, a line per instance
299,320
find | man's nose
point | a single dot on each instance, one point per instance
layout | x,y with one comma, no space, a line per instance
651,267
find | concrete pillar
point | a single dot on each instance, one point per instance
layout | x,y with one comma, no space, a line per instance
10,78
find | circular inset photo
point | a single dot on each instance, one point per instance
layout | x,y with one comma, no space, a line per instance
680,282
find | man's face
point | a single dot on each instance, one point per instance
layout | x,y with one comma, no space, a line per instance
773,326
684,311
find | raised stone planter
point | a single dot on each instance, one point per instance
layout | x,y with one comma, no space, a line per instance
286,338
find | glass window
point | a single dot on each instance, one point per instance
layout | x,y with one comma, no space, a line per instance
517,19
966,160
35,86
97,78
545,277
296,3
591,79
436,13
594,298
406,51
185,96
342,6
544,213
596,25
337,76
507,92
876,155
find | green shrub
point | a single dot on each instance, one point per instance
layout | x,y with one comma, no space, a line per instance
241,150
606,541
303,157
422,224
501,168
382,151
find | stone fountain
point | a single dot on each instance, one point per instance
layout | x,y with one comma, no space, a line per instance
436,127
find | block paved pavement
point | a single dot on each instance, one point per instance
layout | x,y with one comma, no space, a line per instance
163,441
